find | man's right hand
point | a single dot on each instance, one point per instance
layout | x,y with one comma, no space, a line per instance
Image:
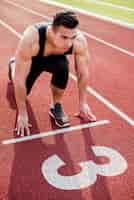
23,127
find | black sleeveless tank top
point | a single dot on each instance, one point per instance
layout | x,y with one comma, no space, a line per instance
42,38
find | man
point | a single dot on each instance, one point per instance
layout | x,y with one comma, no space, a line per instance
43,47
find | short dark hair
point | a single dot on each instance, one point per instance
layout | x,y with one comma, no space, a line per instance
65,18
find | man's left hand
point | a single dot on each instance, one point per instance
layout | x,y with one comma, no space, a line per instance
86,113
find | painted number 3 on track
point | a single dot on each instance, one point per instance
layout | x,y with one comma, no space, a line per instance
89,169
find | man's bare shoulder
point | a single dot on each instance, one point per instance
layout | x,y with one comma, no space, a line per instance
80,43
29,39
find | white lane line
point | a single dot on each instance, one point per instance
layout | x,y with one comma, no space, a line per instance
89,13
10,28
111,5
55,132
107,103
27,9
129,53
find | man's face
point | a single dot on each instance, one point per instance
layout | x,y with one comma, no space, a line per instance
64,37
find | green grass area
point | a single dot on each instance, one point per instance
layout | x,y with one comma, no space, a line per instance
115,13
125,3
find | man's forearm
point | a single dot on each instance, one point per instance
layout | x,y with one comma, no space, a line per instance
20,96
82,85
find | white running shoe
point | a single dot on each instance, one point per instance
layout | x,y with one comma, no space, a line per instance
11,69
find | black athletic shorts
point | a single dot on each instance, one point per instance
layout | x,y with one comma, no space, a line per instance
57,65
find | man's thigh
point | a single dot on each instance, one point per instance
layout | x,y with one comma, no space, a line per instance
37,68
58,66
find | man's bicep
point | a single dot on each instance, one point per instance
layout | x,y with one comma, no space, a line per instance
27,48
23,61
82,56
82,63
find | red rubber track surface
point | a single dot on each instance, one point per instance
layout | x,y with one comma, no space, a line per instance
111,74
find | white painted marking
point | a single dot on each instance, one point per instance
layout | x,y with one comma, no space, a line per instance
55,132
10,28
129,53
27,9
111,5
107,103
92,91
89,169
84,12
